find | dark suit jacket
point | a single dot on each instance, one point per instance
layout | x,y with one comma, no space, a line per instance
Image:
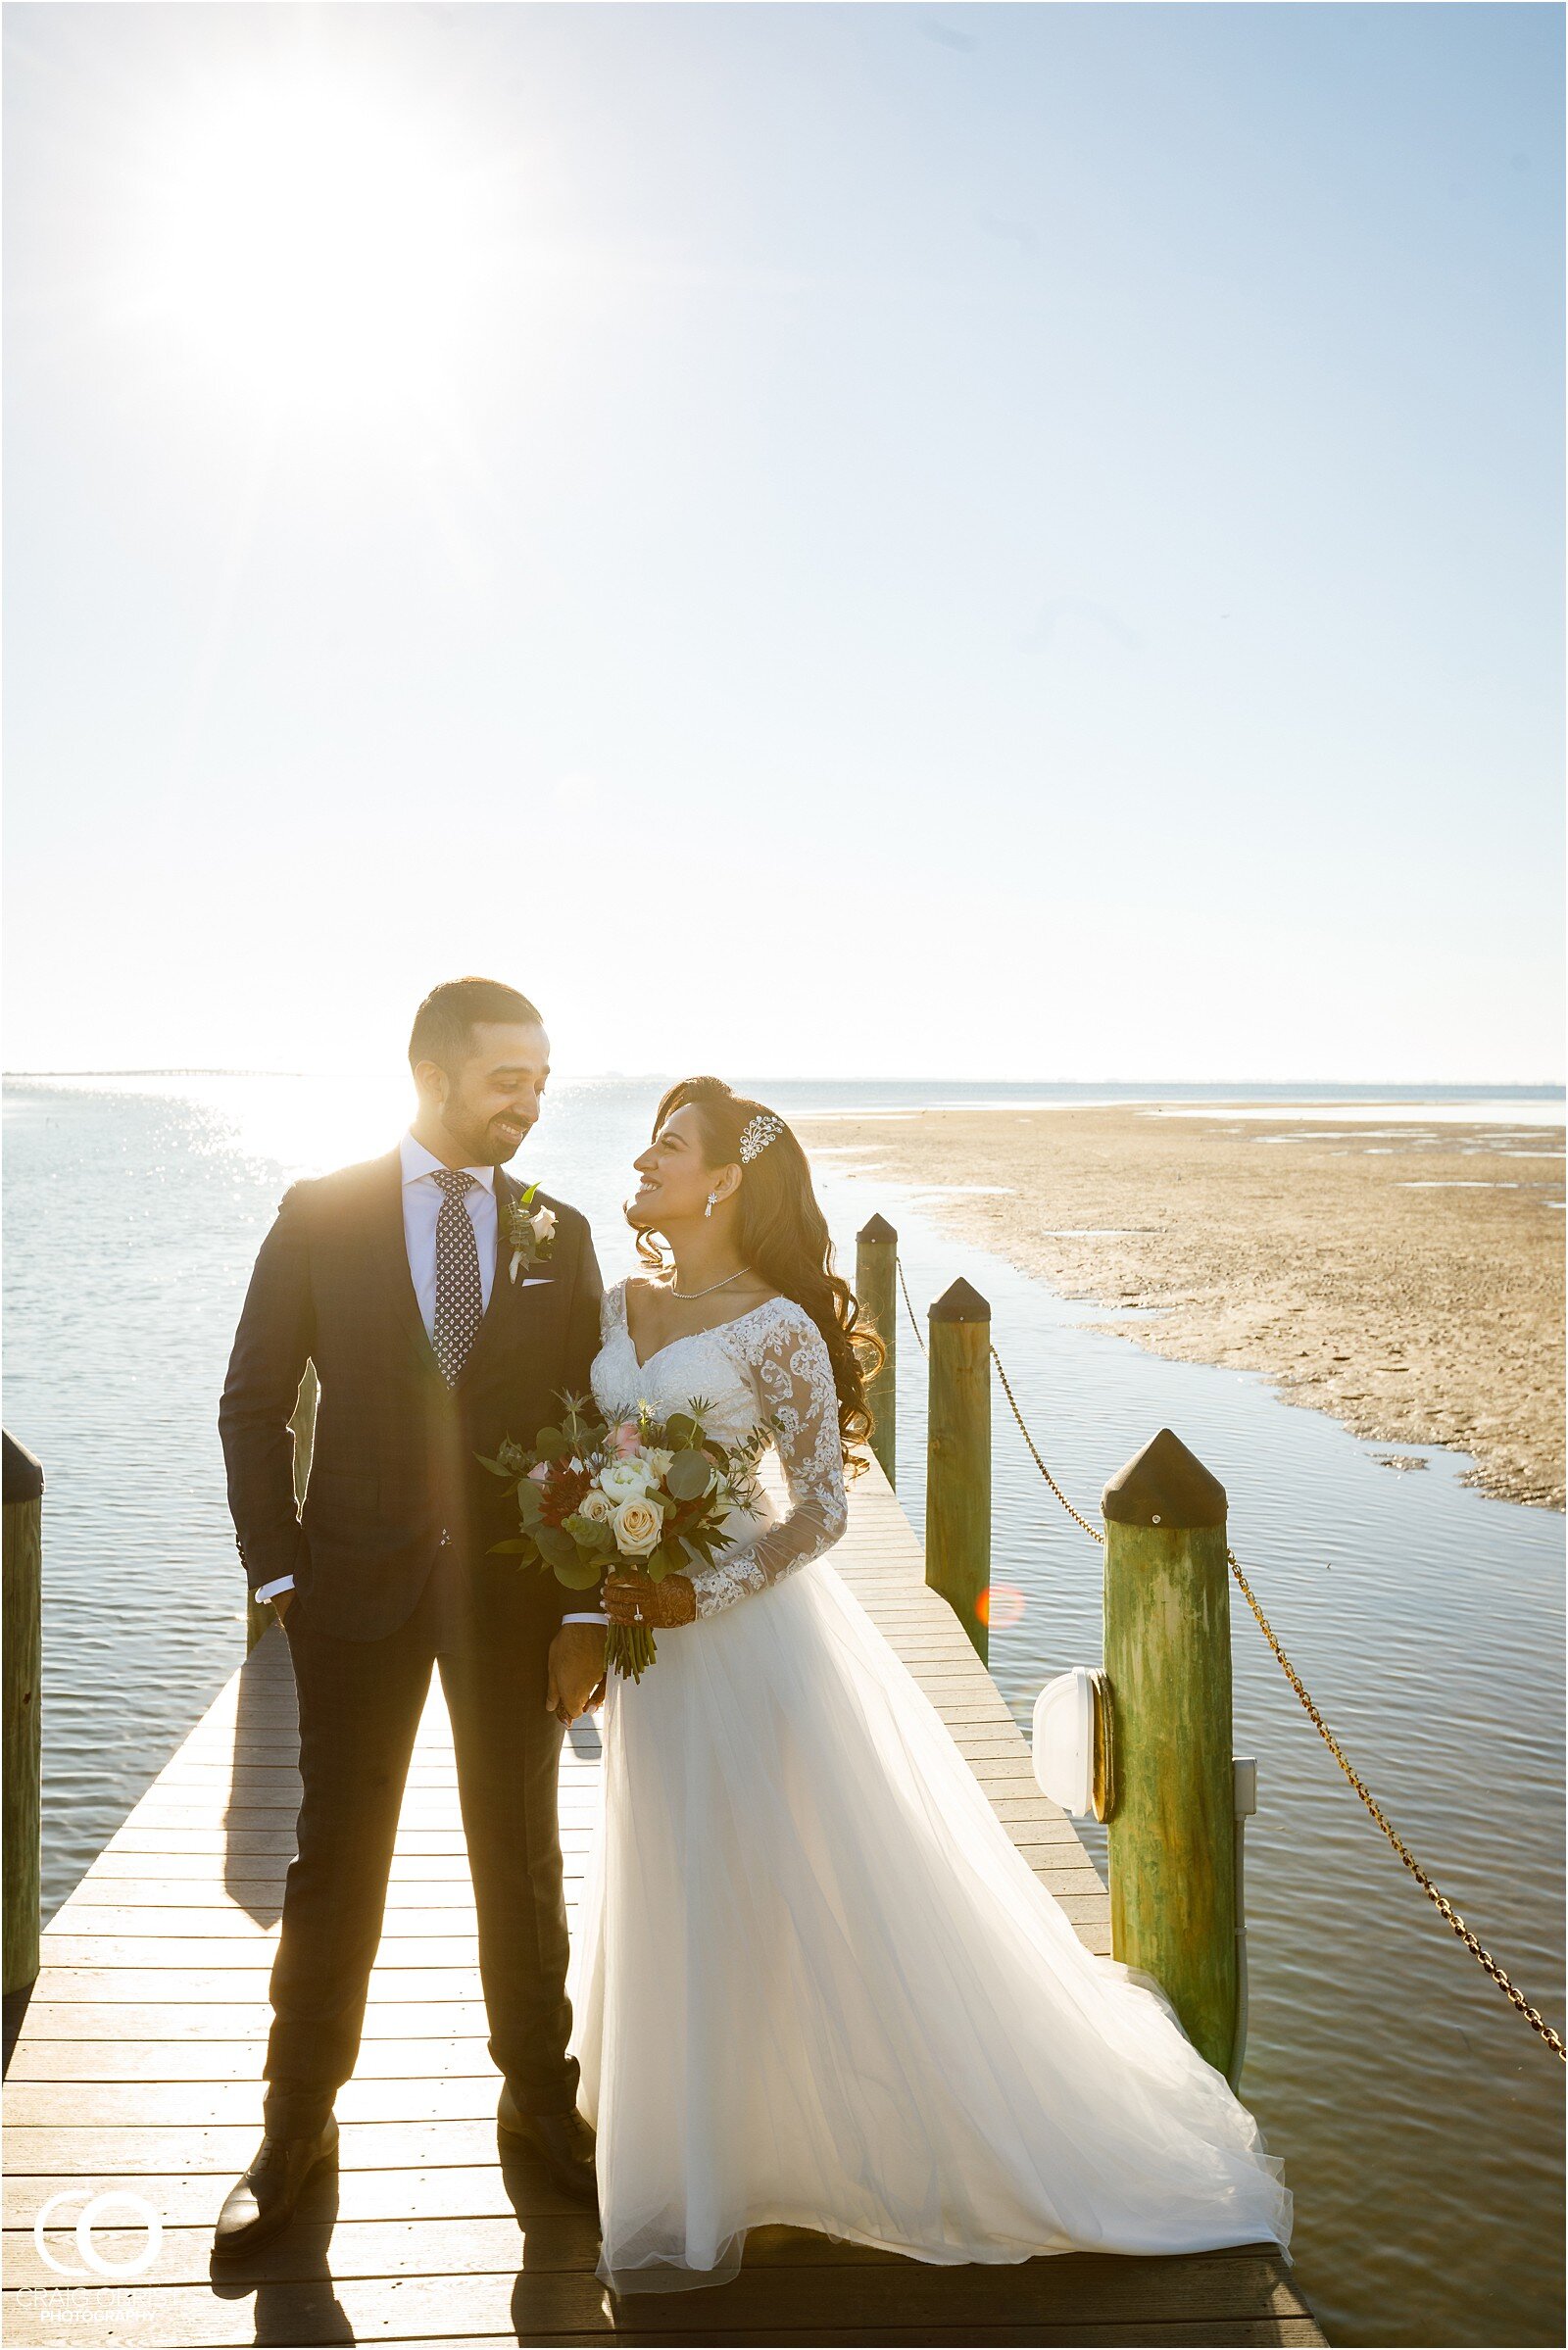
394,1466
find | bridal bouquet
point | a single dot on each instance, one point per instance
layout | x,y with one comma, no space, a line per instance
653,1494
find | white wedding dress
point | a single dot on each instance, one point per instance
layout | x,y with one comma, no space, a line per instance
815,1981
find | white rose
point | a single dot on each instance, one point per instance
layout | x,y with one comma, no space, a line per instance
543,1221
624,1479
659,1460
637,1526
594,1507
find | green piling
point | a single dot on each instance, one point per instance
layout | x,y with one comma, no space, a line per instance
876,1290
1168,1661
957,1492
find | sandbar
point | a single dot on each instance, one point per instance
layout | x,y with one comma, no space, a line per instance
1402,1272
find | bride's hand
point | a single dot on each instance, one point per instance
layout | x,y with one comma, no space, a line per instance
631,1597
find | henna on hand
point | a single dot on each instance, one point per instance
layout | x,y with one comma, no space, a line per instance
635,1599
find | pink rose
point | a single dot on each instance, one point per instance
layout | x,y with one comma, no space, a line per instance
539,1475
627,1438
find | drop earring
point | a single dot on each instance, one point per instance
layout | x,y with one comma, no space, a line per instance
709,1209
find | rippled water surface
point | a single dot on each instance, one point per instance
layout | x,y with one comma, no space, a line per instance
1420,2118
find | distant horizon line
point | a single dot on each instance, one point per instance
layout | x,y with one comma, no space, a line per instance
1544,1085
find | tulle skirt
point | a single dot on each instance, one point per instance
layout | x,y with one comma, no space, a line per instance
815,1983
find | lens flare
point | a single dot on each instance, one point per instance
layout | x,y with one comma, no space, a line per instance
1001,1607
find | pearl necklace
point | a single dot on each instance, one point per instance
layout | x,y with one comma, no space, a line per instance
686,1297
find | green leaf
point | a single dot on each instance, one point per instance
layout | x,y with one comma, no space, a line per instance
556,1546
690,1476
522,1548
580,1577
668,1559
679,1429
530,1504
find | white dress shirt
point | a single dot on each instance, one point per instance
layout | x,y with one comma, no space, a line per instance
422,1202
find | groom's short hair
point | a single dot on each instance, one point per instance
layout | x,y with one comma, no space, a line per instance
445,1022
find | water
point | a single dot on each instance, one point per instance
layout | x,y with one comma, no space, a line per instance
1420,2118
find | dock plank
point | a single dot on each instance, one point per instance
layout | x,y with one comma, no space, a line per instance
553,2301
139,2065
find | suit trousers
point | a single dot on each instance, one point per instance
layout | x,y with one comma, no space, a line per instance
360,1704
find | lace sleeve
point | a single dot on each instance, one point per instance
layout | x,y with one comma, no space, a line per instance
788,1360
611,1306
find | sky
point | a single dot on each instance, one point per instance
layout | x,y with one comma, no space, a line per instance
861,540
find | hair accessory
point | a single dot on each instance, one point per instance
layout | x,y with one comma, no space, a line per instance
764,1129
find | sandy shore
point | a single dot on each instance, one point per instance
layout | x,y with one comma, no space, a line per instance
1404,1275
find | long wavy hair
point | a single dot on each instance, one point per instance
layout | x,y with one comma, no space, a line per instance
782,1234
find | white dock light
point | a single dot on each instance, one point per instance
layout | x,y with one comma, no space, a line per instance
1072,1743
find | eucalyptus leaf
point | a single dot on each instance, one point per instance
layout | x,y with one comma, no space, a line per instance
556,1546
580,1577
690,1475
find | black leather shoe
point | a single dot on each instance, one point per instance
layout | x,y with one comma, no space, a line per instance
563,2140
264,2201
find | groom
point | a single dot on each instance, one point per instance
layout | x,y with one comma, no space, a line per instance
399,1280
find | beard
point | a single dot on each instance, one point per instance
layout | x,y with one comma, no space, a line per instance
483,1142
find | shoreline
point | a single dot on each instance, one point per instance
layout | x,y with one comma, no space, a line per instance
1402,1275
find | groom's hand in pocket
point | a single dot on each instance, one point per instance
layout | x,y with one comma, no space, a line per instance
574,1679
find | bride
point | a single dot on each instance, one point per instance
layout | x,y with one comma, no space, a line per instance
815,1983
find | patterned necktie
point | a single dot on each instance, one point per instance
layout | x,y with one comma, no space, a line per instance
458,1296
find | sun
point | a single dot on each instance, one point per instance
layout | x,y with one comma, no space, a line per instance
315,242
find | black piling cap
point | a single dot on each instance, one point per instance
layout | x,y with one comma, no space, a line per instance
1165,1485
24,1476
878,1229
961,1303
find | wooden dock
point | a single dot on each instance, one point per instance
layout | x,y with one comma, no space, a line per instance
138,2070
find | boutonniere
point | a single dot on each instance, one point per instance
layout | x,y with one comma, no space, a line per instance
530,1230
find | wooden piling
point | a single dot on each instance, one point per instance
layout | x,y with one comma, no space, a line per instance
22,1759
957,1492
259,1613
876,1290
1168,1660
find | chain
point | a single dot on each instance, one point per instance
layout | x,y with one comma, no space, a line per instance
1093,1532
1439,1902
914,1319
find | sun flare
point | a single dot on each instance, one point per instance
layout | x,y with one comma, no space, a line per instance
315,243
